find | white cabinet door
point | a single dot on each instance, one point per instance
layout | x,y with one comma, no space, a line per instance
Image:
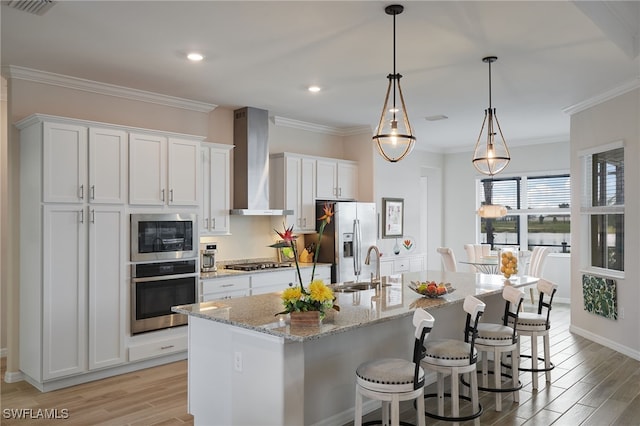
292,175
107,287
64,294
147,169
336,180
64,163
347,181
216,189
226,288
307,198
107,166
184,172
326,184
323,272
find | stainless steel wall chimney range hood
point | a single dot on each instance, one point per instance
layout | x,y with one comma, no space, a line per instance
251,164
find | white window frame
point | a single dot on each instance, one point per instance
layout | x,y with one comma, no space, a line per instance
586,210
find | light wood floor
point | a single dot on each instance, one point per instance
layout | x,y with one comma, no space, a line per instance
591,385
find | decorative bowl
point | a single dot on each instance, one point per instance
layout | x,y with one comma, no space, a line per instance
424,288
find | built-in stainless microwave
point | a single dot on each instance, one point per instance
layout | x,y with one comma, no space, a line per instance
163,236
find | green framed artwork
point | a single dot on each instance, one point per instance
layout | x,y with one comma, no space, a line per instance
600,296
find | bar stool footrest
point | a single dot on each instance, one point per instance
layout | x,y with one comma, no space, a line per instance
502,390
534,370
379,422
453,419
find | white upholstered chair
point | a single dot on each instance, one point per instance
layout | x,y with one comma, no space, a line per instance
448,259
536,265
476,252
452,357
392,380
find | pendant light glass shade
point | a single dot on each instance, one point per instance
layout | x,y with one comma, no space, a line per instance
492,211
491,154
394,136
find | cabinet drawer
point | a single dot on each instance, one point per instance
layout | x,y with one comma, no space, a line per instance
401,265
157,348
207,297
217,285
270,279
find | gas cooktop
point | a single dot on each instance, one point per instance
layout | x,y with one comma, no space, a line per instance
257,266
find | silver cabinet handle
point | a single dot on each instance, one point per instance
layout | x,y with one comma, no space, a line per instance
171,195
81,215
227,285
213,223
340,192
166,347
305,222
93,192
93,215
82,192
162,194
206,223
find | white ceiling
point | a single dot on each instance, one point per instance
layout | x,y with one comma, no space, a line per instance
552,55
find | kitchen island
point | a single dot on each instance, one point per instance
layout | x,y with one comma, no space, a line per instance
248,366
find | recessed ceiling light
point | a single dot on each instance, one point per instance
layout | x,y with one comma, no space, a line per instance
436,117
195,57
314,89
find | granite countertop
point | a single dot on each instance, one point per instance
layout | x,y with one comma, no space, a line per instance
358,309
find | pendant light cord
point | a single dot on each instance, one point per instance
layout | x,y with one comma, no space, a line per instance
395,76
490,84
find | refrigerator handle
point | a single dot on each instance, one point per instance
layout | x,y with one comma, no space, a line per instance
357,242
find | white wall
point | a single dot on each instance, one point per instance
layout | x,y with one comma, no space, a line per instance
614,120
402,180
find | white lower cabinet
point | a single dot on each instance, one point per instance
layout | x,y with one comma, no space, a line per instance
225,288
398,265
268,282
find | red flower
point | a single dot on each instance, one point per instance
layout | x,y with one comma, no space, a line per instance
287,236
328,212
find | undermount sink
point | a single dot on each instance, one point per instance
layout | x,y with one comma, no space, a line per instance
352,286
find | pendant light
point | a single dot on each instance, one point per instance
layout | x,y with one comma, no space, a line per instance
492,156
394,137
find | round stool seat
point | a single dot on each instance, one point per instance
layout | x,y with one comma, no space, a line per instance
389,375
531,321
494,334
447,353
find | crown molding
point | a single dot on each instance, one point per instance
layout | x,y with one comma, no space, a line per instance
603,97
76,83
318,128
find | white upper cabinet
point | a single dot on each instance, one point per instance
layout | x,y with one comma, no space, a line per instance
293,180
83,164
336,180
163,170
64,177
107,166
216,188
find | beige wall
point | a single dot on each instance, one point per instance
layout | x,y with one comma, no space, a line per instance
614,120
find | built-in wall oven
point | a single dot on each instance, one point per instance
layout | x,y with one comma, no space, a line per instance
155,288
164,269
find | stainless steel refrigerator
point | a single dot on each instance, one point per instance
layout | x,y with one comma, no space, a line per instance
353,229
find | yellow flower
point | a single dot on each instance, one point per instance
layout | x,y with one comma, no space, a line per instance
292,294
320,292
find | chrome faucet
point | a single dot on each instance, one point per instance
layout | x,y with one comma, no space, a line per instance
367,261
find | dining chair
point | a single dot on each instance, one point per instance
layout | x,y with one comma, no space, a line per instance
536,265
392,380
476,252
448,259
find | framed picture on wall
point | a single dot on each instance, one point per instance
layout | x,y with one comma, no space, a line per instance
393,217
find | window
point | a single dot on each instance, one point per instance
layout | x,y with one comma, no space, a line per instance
603,206
537,212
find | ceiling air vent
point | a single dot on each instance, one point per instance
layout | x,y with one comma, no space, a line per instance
37,7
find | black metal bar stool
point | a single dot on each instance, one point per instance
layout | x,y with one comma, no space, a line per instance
454,358
499,339
392,380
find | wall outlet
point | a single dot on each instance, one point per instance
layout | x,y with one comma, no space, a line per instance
237,361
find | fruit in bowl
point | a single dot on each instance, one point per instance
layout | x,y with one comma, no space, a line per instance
431,288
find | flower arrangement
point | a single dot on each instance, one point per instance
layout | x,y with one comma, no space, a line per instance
317,297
